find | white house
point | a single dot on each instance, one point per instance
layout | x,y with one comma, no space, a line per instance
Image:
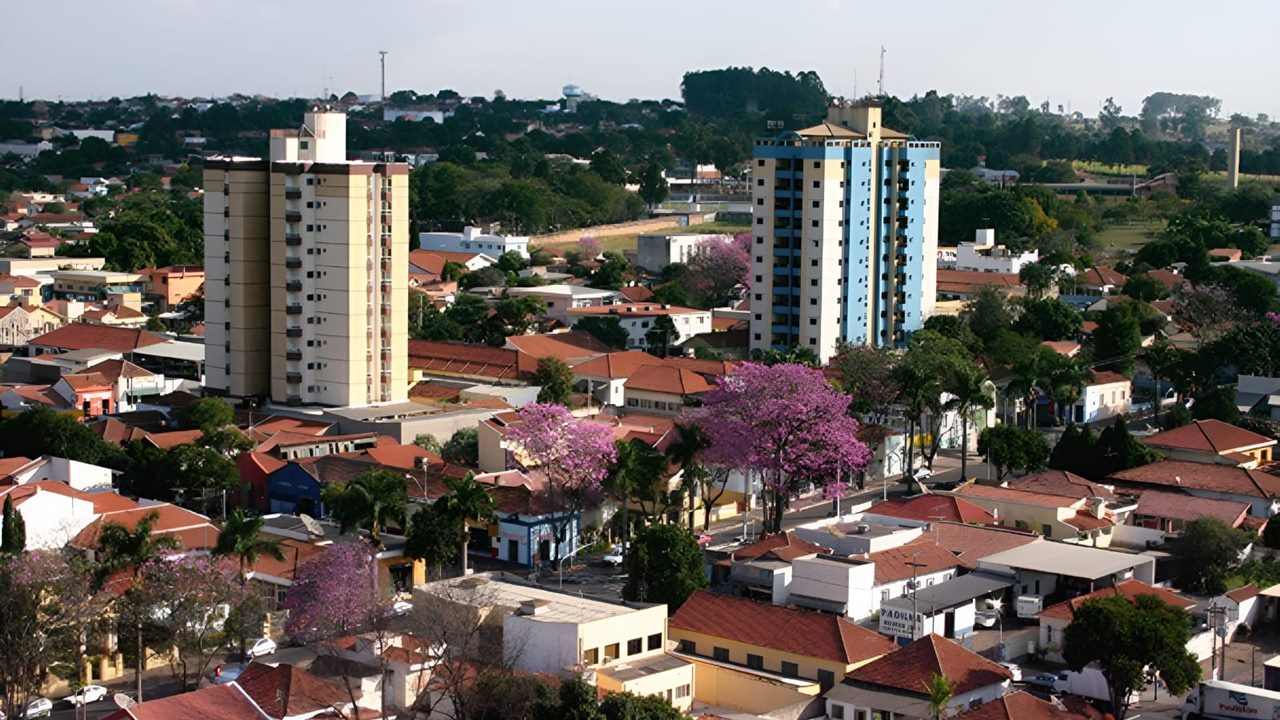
472,239
1055,618
984,255
639,318
1104,396
560,299
655,251
51,511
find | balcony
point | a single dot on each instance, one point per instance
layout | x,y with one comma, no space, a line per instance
293,378
293,263
294,355
293,286
293,310
292,239
293,216
293,193
293,332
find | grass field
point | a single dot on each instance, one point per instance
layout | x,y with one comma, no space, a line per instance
1128,237
623,243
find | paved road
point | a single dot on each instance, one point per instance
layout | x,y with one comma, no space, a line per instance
153,687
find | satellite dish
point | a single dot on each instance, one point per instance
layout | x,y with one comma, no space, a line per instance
122,701
311,525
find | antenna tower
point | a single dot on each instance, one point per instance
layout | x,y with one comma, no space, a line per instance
880,84
383,60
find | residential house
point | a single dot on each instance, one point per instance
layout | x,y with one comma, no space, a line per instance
90,392
1055,618
571,347
639,320
1051,572
895,573
82,336
1207,480
432,262
763,568
93,285
664,390
973,543
544,631
216,702
1105,395
560,298
21,397
927,509
53,512
116,316
984,255
756,657
1213,441
19,289
603,377
474,240
1256,394
397,574
464,361
133,384
19,324
1066,348
1171,511
1098,281
1020,705
968,284
896,685
168,287
192,531
1082,519
289,692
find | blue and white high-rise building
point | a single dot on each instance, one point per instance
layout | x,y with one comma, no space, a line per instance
845,234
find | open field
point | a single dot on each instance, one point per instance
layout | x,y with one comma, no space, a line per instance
623,243
1128,237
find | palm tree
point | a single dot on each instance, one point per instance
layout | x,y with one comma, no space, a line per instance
468,501
372,499
122,549
241,536
940,691
1163,361
968,390
634,474
686,453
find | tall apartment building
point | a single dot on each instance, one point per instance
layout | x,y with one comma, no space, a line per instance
845,234
306,263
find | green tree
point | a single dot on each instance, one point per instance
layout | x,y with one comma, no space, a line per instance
664,566
241,537
511,262
659,336
1163,362
1039,278
554,379
371,499
609,167
1074,451
989,313
13,534
1146,288
207,414
653,186
1118,450
636,470
628,706
1010,448
155,324
1049,319
1207,552
428,443
203,471
462,447
43,431
1217,404
607,330
940,690
1117,339
432,536
578,701
612,274
467,502
1130,640
969,391
930,362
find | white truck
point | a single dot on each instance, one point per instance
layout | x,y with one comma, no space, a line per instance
1230,701
1088,682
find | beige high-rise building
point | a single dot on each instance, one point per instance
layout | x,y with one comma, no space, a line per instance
306,261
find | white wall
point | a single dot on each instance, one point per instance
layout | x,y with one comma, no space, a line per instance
52,519
538,646
79,475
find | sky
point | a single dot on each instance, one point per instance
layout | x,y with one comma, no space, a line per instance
1072,54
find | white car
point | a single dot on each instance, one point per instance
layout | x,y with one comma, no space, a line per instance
88,695
614,557
400,607
37,708
1013,670
260,647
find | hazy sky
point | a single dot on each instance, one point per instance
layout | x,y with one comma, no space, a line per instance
1075,53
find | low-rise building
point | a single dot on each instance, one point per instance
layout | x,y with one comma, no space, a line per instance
1020,705
969,284
19,324
1213,441
640,319
1055,618
984,255
1083,519
655,251
1105,395
1260,490
560,298
474,239
94,284
173,285
664,390
1045,573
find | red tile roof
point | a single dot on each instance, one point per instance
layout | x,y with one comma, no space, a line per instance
1063,347
193,529
1168,278
173,438
909,668
281,423
971,543
1085,521
1106,377
572,347
1212,477
1129,589
216,702
920,557
931,508
286,690
1181,506
616,364
10,465
81,382
669,380
803,632
464,360
1101,276
1002,494
634,309
19,281
113,370
82,336
1019,705
1061,482
783,546
967,282
636,293
1241,594
1212,436
404,457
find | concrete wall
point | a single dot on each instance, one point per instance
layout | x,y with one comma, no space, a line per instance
745,691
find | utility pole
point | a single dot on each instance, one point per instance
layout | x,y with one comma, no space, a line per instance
880,84
383,60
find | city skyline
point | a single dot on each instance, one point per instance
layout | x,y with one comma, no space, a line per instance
530,51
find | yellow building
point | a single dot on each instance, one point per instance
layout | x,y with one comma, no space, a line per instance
757,657
94,284
306,258
1085,520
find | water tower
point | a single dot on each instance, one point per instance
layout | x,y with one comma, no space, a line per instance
572,96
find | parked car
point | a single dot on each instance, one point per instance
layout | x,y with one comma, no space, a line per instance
260,647
614,557
400,607
88,695
37,708
224,674
1044,681
1013,670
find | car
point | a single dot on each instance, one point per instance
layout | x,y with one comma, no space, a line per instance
1013,669
224,674
260,647
400,607
1045,681
88,695
614,557
37,708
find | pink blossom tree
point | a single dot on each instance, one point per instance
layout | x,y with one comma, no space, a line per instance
787,423
1207,311
716,268
334,593
574,454
589,247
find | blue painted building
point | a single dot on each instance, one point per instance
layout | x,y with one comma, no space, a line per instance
845,234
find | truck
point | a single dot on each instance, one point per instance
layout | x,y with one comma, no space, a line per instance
1088,682
1222,700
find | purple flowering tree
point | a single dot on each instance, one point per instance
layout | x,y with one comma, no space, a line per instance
589,247
334,593
786,423
716,268
574,454
1206,311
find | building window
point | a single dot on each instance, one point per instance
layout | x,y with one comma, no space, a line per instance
1046,530
591,657
826,679
633,646
755,662
655,641
611,651
837,711
721,654
682,691
688,646
790,669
